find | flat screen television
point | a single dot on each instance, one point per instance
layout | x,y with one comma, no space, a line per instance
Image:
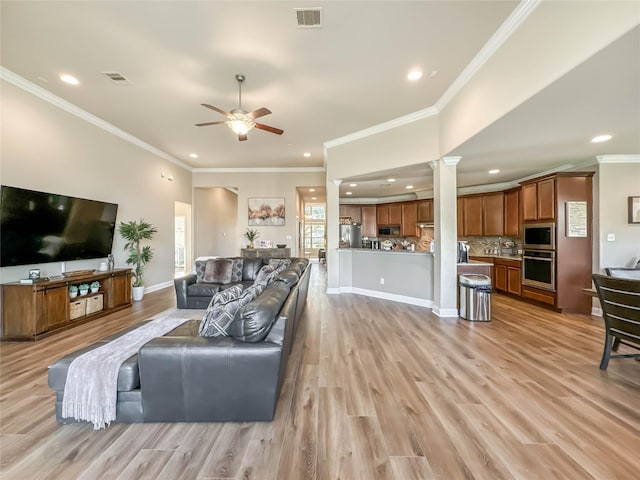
39,227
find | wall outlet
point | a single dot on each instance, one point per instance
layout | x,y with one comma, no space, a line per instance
381,281
611,237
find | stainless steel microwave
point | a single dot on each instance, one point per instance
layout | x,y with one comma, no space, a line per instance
389,231
539,236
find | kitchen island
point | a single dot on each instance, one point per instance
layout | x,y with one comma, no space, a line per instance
399,275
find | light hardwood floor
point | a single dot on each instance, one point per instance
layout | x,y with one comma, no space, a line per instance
374,389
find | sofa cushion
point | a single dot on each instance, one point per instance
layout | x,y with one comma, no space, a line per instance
218,270
289,276
202,290
253,321
251,267
220,312
264,274
236,269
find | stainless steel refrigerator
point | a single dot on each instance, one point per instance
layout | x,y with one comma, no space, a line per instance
351,235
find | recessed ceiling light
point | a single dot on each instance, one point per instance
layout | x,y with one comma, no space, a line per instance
414,75
600,138
391,179
312,189
70,79
348,193
433,73
307,154
353,184
409,187
494,171
314,198
193,155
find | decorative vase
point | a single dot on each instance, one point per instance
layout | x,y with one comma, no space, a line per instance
73,294
84,292
251,244
138,293
95,290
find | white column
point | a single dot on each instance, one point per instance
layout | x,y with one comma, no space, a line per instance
333,234
445,261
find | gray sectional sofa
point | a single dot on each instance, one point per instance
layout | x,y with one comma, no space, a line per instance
184,377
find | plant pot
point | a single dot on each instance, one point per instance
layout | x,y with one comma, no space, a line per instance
83,292
95,290
138,293
73,294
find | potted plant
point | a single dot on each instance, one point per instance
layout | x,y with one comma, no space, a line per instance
83,288
73,291
134,232
251,235
95,286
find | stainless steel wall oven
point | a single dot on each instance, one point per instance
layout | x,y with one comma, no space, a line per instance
539,269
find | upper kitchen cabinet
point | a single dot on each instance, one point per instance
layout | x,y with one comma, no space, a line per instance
352,211
425,210
539,200
369,226
493,214
472,217
460,216
409,219
389,214
512,213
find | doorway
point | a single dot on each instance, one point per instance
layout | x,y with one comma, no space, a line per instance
315,229
182,242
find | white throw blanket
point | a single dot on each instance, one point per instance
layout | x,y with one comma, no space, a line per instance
91,388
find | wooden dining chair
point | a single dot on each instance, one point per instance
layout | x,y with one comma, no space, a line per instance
620,303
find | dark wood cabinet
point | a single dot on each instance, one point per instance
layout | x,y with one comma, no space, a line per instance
539,200
507,274
472,223
493,214
382,215
512,213
460,216
514,281
30,312
425,210
369,224
409,219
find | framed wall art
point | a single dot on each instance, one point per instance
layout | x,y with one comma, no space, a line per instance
634,209
266,211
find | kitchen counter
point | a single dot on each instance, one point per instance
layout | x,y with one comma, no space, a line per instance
371,250
504,257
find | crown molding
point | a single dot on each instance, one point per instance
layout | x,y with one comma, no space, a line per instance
382,127
510,25
492,187
261,170
618,159
47,96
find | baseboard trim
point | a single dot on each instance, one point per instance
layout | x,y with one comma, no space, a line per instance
159,286
333,291
596,311
420,302
445,312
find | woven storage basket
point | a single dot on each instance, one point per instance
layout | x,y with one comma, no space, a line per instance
78,308
95,303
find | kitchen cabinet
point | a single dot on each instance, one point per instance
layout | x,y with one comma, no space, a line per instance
539,200
512,213
507,274
369,225
352,211
409,219
389,214
425,210
460,216
493,214
472,219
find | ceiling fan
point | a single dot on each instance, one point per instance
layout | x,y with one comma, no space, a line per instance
239,120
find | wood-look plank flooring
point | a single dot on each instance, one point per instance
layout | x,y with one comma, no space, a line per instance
374,390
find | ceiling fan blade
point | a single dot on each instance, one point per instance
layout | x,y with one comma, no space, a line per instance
261,112
267,128
210,123
242,138
216,109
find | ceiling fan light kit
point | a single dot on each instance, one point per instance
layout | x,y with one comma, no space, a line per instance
240,121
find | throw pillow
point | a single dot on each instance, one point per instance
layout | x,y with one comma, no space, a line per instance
220,312
218,270
276,273
276,262
236,269
251,268
264,274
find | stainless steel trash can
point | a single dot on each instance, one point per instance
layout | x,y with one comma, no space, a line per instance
475,297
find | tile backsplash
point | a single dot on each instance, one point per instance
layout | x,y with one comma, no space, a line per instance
479,246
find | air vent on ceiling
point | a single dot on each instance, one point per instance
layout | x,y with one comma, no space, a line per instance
117,78
309,17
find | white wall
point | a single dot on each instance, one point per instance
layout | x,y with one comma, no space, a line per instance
216,222
45,148
616,183
261,184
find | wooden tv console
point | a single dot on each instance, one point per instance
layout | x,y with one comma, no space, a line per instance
34,311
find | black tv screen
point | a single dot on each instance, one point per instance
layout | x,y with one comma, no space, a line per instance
39,227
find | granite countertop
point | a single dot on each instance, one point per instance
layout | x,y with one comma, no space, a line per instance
371,250
505,257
